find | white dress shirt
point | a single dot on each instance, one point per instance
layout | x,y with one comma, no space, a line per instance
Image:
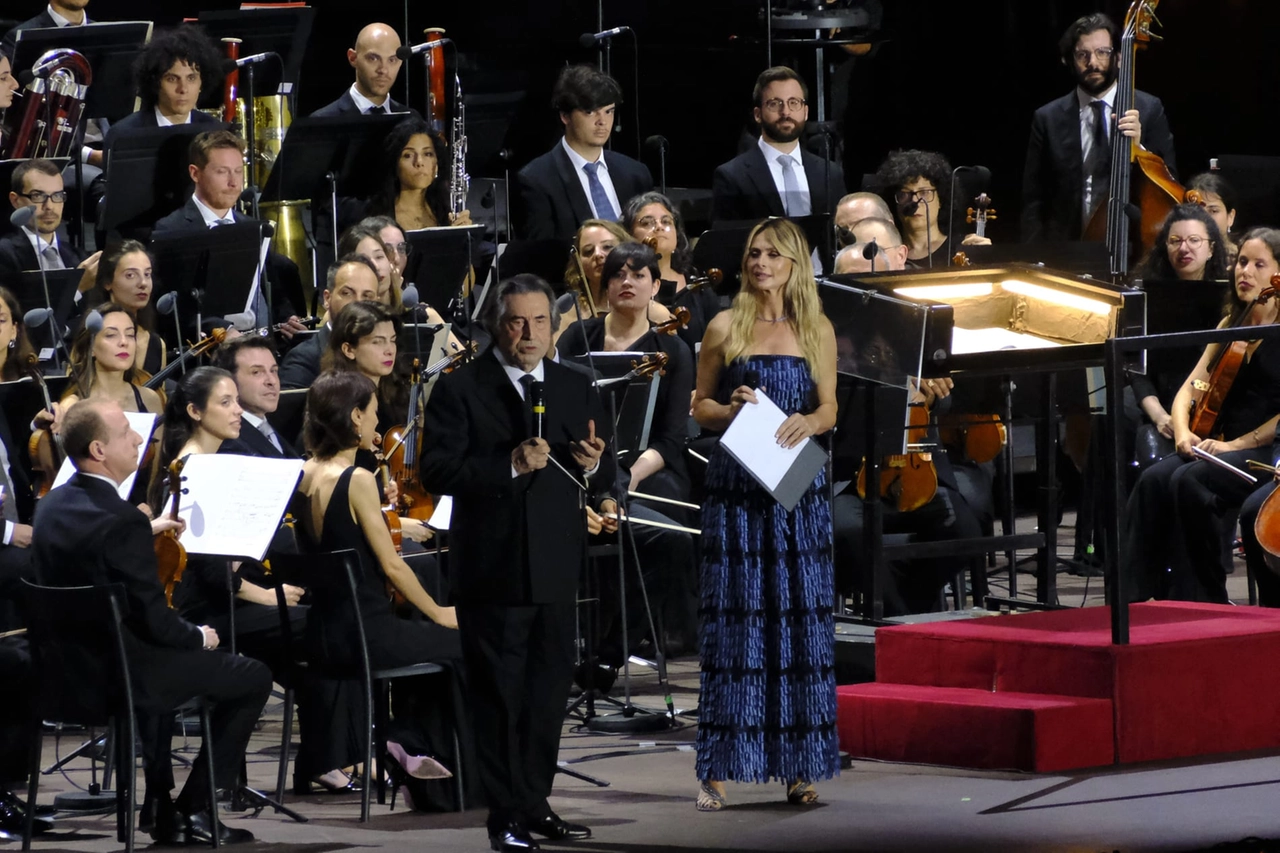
364,104
210,215
1086,133
578,162
775,168
163,121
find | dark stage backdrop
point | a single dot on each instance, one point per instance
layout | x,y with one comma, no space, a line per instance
960,78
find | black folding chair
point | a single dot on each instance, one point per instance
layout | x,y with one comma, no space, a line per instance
82,676
332,578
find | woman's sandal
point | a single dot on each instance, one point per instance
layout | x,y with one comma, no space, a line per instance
709,799
801,794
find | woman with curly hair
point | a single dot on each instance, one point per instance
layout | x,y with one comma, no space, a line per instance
1189,248
415,179
917,186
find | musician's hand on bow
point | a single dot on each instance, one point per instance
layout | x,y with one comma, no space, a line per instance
975,240
587,452
391,492
595,523
1216,447
414,530
794,430
1185,441
609,505
935,389
1130,126
164,522
530,455
210,638
50,420
462,217
90,267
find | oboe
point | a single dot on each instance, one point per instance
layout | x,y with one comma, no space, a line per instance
459,180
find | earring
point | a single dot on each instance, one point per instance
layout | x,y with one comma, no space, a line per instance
13,344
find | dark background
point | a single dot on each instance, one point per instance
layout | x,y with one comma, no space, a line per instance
958,77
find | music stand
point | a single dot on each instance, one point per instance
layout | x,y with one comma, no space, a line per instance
109,48
147,176
427,342
634,398
20,399
284,31
722,248
287,418
213,271
28,287
439,259
547,259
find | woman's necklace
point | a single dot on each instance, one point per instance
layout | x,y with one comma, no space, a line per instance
781,319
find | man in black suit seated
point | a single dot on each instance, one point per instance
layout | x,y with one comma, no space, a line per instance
252,363
40,243
517,546
217,169
352,278
85,533
777,176
578,179
377,66
1068,169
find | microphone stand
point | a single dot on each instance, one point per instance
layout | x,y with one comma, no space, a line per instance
250,138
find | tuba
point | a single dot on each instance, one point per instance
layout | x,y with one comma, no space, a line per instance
52,109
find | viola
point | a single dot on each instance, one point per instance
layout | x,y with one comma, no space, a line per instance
1208,397
199,348
712,277
44,448
979,437
908,479
171,557
679,320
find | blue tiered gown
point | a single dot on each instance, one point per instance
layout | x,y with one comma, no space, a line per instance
768,701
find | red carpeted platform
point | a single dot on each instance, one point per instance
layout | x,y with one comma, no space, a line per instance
1030,691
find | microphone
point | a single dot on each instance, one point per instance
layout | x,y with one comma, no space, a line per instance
229,65
36,317
409,296
93,322
592,39
870,251
22,216
659,143
539,407
751,378
167,304
414,50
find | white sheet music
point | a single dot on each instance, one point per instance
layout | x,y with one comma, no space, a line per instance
750,438
442,515
233,504
142,423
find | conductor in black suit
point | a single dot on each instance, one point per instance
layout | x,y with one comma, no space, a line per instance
578,179
85,533
516,539
777,176
251,361
377,66
1068,169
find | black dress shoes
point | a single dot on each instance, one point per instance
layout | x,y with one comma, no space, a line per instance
556,829
512,838
13,817
200,831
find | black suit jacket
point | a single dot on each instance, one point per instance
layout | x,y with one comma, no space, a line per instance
344,106
513,540
552,201
1053,180
18,255
144,119
43,21
301,365
743,188
253,443
282,273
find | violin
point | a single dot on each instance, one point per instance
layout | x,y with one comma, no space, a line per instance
978,216
712,277
156,381
1209,396
171,557
679,320
908,479
979,437
44,448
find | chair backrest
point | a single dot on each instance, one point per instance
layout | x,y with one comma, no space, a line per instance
331,578
78,652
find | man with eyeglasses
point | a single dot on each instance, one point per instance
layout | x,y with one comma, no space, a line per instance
37,245
886,237
776,176
1068,167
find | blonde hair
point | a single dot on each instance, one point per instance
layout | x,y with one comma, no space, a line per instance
573,277
799,297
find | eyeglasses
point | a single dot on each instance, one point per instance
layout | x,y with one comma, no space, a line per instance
37,197
1195,241
928,195
1102,54
775,104
401,249
666,223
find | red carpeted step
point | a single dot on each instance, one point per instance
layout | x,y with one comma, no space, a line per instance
961,727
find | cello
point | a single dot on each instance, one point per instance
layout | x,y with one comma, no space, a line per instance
1152,184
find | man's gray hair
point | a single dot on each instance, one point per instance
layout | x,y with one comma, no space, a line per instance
496,308
856,253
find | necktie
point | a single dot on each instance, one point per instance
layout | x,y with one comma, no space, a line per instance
527,381
266,429
226,220
51,259
795,201
599,198
10,504
376,110
1098,164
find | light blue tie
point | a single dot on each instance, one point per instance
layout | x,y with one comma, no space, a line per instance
795,200
599,198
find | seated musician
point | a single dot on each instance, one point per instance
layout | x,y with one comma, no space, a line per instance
1264,568
16,357
652,215
251,361
39,244
8,85
1219,199
164,650
176,67
854,208
1177,513
339,508
352,278
579,178
103,365
582,274
124,278
918,186
365,239
377,67
216,161
887,240
415,179
798,182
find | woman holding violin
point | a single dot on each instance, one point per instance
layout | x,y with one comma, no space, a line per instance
651,216
767,584
1176,517
124,279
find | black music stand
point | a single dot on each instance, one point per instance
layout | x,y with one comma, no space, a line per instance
285,31
633,398
439,259
424,341
147,177
20,399
547,259
722,248
29,287
213,272
288,416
